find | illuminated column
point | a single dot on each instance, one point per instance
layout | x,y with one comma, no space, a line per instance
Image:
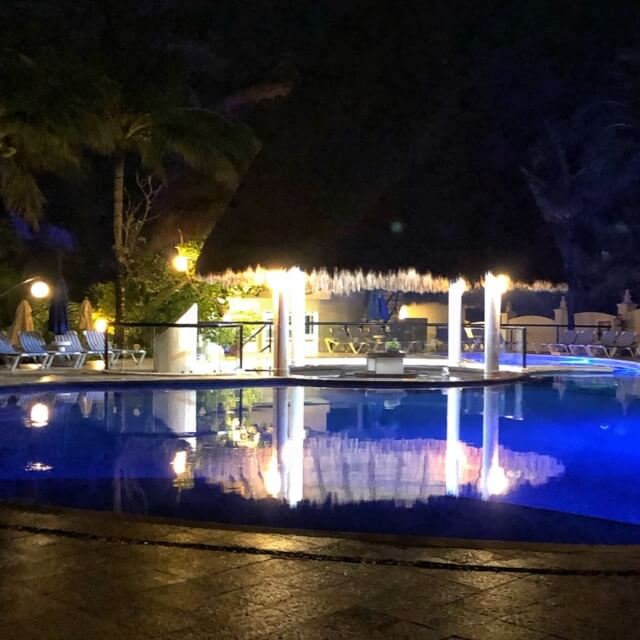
492,478
456,289
494,287
280,327
452,456
293,451
296,287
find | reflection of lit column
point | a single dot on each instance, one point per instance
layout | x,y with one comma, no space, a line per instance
492,478
456,289
494,286
296,286
273,475
280,327
178,410
293,449
452,456
517,402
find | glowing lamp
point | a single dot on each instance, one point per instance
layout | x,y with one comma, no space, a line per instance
502,283
181,264
101,325
39,289
39,415
179,462
403,314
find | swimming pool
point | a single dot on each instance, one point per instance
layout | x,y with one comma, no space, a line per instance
552,459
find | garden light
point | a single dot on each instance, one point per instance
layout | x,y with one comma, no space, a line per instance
181,264
39,289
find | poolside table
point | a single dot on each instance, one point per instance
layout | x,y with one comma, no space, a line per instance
386,362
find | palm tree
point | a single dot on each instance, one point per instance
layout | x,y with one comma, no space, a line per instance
200,139
38,131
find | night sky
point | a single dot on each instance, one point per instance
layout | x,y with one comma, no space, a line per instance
421,114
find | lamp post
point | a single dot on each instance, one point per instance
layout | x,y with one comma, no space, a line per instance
39,288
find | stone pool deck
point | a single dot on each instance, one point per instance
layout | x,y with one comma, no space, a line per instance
86,575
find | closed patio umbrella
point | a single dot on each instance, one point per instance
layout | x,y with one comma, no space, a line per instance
23,321
58,312
377,308
86,315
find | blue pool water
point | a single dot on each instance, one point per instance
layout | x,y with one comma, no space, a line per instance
556,458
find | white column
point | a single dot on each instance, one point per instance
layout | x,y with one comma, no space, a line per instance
296,287
456,289
493,289
452,455
280,338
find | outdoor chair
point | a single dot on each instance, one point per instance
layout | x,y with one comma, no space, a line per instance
406,336
473,339
582,341
9,353
603,347
625,341
95,340
340,338
72,339
566,338
34,346
359,340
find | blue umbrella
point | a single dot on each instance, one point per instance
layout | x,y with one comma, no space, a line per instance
58,313
377,309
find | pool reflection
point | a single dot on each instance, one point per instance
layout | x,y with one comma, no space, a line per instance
322,457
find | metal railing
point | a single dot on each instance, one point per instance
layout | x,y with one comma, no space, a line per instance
237,343
414,337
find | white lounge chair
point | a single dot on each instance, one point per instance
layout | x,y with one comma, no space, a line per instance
603,347
626,341
9,353
34,346
95,340
583,340
566,338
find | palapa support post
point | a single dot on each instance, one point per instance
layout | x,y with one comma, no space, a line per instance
280,326
494,287
296,288
454,338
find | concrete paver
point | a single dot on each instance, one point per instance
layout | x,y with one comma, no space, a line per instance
62,580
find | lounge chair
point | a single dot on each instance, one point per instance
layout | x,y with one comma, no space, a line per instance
626,341
341,338
603,347
473,339
611,345
95,340
73,340
566,338
359,339
407,336
34,346
582,341
9,353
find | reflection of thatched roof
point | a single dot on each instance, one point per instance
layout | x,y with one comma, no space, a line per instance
401,470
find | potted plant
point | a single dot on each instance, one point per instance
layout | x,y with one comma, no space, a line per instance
392,346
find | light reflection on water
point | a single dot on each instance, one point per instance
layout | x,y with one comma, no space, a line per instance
564,444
